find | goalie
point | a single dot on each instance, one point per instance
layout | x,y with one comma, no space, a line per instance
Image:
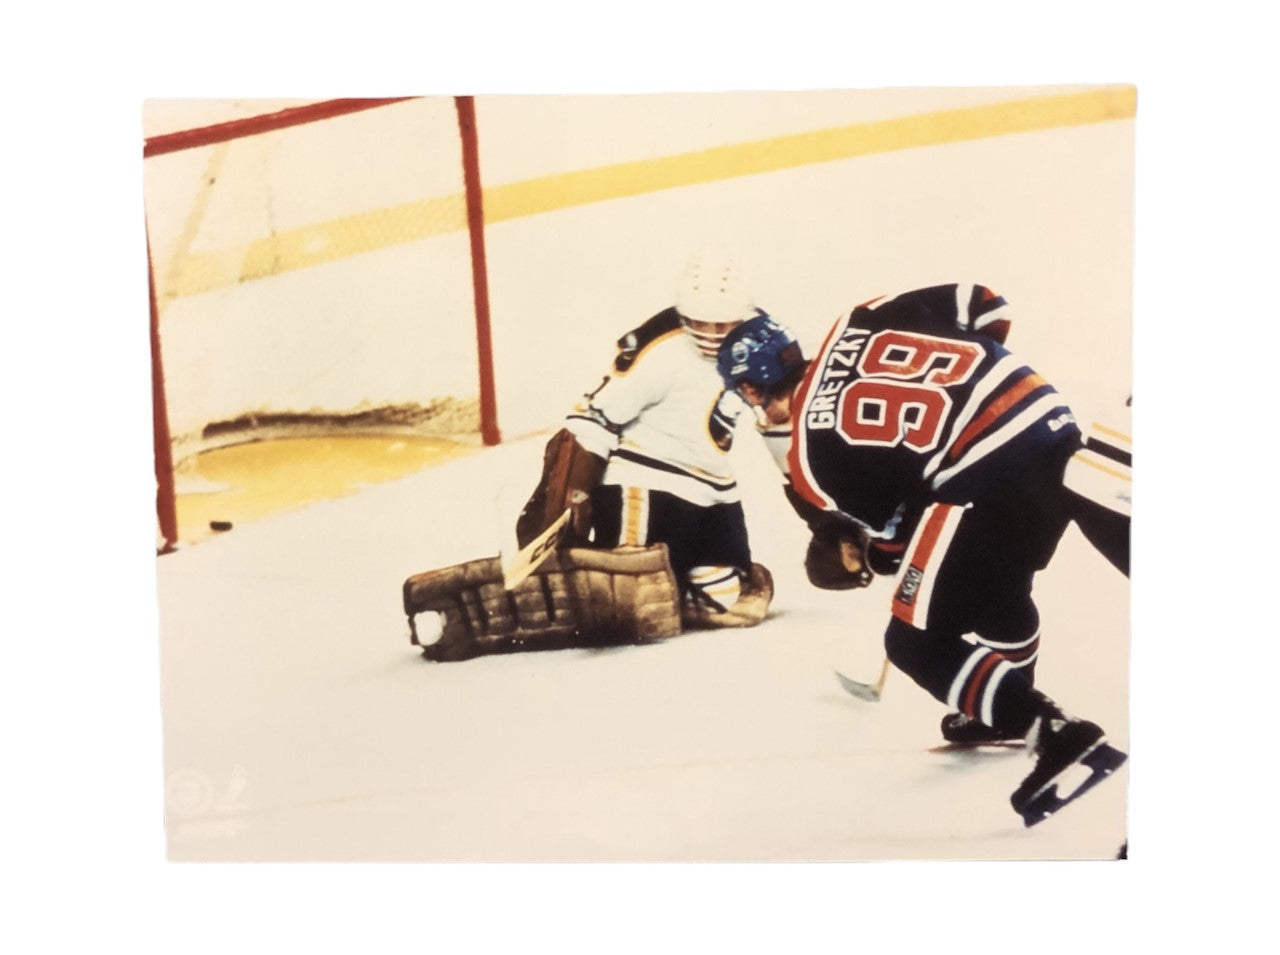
641,467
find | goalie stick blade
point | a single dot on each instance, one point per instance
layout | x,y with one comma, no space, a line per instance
530,557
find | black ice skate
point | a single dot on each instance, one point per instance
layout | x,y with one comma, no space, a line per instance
962,730
1073,756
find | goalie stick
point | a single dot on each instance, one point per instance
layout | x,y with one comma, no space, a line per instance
525,561
865,691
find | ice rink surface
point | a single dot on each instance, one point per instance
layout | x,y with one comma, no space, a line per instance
299,723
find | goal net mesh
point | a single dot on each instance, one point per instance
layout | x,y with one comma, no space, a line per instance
312,278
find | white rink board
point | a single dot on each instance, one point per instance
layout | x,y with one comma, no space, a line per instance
1045,218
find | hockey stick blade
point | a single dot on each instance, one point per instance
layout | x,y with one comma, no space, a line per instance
530,557
865,691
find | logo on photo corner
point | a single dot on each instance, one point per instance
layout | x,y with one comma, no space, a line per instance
202,807
910,585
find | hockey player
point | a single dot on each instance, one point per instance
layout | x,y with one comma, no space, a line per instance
915,423
644,457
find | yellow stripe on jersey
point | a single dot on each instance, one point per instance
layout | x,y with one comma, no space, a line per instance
635,517
1095,461
1112,433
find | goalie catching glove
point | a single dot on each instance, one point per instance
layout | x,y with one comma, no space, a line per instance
569,473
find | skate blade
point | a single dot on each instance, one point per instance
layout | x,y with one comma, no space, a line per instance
987,746
1101,763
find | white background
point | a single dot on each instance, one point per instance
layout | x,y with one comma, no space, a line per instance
82,813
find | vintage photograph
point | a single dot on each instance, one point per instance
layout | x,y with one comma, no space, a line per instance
659,477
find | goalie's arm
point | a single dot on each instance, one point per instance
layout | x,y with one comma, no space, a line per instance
569,473
576,455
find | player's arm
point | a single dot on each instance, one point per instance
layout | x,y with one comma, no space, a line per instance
985,313
837,555
836,558
729,409
569,473
573,463
943,310
575,457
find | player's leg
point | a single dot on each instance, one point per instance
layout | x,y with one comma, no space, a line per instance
1014,635
707,546
1099,479
949,573
1004,539
953,574
726,588
619,516
1106,529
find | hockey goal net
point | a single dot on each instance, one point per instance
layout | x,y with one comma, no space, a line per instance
313,270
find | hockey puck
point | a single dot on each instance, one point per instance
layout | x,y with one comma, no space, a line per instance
220,525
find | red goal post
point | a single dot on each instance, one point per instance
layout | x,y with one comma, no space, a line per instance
373,232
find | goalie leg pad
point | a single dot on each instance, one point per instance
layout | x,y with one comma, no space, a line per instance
578,598
754,595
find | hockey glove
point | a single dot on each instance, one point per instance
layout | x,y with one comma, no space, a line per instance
837,554
569,472
837,559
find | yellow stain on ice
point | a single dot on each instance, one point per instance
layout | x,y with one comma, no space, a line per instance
352,235
250,481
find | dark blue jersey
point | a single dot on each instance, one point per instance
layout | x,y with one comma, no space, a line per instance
916,399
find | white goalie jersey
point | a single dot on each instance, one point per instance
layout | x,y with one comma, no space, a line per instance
662,418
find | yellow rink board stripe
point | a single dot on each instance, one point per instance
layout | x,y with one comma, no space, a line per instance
351,235
784,152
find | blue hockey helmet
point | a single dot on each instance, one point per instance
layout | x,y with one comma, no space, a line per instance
760,352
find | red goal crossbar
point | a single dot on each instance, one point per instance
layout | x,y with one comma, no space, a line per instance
263,123
166,498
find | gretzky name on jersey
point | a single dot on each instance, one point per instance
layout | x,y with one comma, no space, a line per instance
840,365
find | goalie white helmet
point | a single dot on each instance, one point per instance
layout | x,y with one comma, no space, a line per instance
712,300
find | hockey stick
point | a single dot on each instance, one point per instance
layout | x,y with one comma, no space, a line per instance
865,691
530,557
